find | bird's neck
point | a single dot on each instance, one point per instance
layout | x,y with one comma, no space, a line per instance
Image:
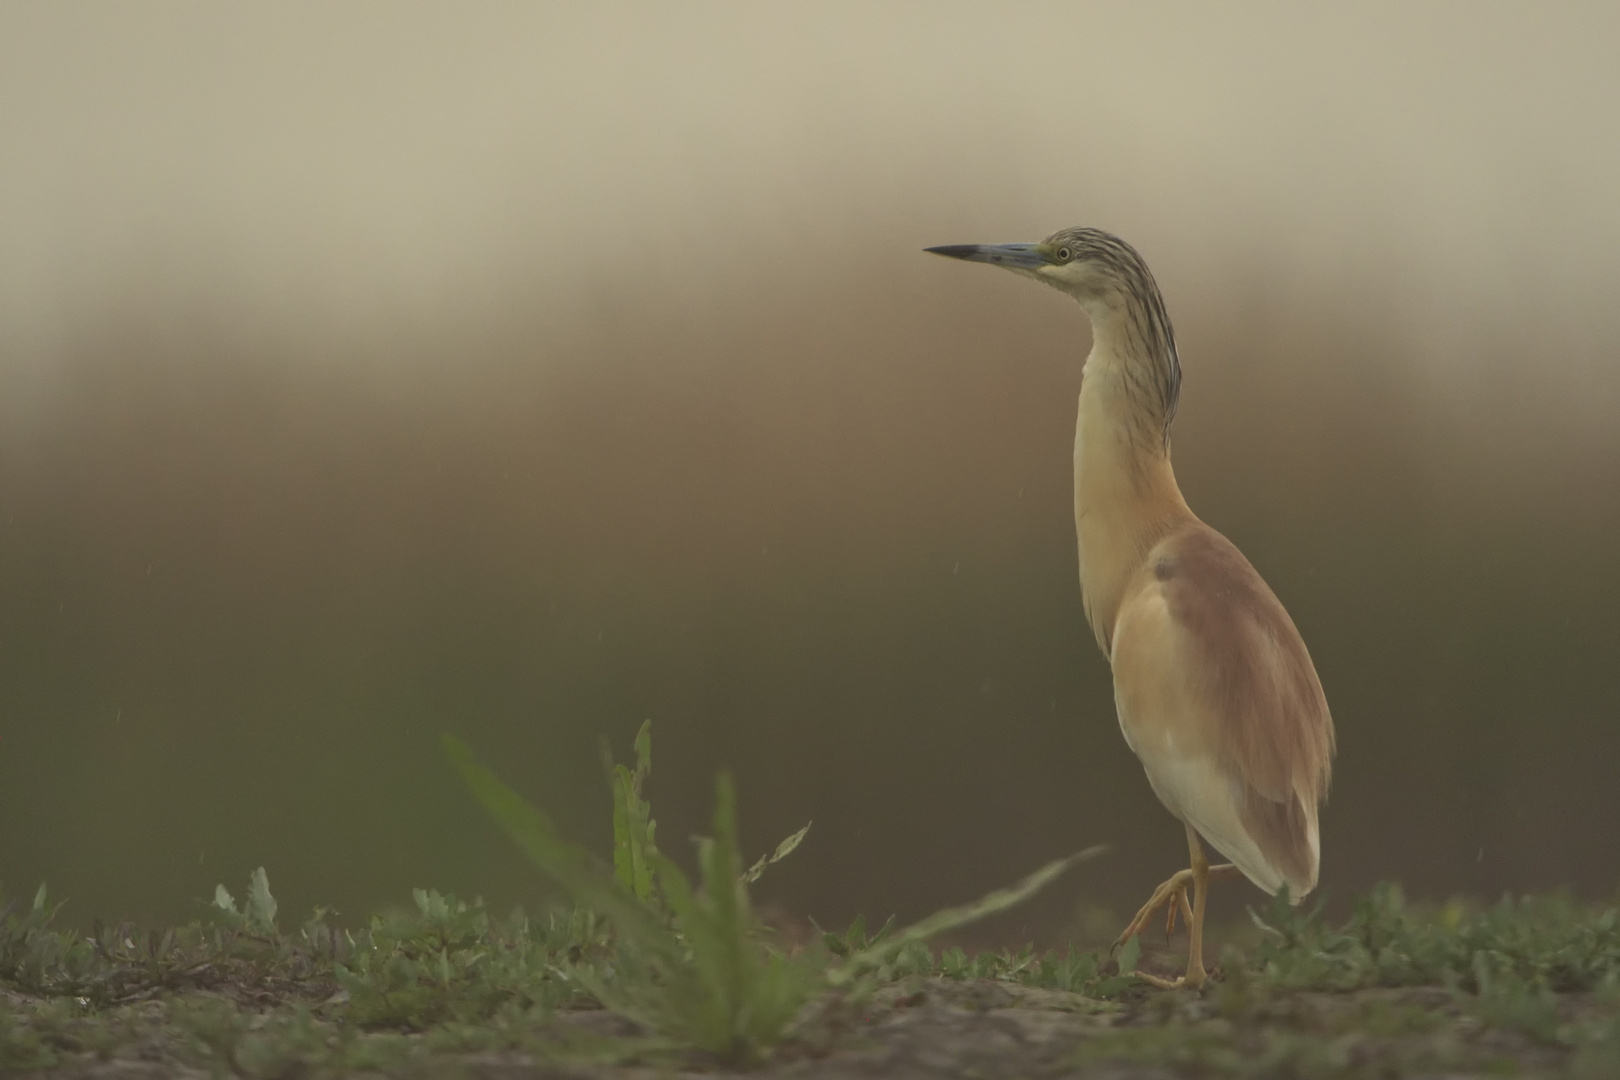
1125,493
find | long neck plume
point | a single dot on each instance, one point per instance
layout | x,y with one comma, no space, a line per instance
1132,330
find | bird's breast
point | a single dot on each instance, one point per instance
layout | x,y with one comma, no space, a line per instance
1124,500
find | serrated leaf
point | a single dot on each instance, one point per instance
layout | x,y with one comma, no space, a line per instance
261,906
633,826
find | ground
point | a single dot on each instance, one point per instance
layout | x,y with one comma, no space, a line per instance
973,1029
652,974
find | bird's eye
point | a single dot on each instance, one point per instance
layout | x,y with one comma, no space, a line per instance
1063,254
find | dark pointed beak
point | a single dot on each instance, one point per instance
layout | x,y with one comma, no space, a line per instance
1012,256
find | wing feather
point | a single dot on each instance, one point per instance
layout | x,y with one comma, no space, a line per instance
1218,697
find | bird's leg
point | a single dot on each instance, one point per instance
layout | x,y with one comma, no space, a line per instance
1174,892
1195,929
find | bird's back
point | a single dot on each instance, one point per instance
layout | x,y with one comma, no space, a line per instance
1218,697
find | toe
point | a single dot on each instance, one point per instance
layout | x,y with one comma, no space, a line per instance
1162,984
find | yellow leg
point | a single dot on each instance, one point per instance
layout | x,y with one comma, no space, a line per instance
1170,912
1174,892
1195,930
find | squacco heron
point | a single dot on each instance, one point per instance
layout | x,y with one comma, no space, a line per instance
1215,691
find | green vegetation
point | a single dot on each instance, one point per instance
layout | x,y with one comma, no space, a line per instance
696,965
691,965
650,966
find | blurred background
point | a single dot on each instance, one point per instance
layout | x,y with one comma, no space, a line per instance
526,371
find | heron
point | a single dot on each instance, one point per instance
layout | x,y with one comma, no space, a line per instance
1215,690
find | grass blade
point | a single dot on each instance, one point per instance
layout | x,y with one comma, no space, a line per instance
877,954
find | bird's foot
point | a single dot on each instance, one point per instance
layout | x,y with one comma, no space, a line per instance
1173,892
1175,889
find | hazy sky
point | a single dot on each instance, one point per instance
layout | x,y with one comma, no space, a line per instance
353,165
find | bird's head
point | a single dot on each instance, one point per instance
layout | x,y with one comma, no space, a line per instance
1093,266
1117,291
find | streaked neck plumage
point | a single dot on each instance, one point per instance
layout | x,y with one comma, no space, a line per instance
1125,493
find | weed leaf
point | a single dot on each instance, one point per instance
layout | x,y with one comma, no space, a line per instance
783,850
261,906
633,827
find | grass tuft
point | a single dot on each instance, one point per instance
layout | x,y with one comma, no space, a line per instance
695,964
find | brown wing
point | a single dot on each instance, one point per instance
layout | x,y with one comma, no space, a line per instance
1245,661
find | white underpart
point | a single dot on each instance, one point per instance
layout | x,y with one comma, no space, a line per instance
1194,788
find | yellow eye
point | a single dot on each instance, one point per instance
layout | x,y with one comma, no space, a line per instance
1063,254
